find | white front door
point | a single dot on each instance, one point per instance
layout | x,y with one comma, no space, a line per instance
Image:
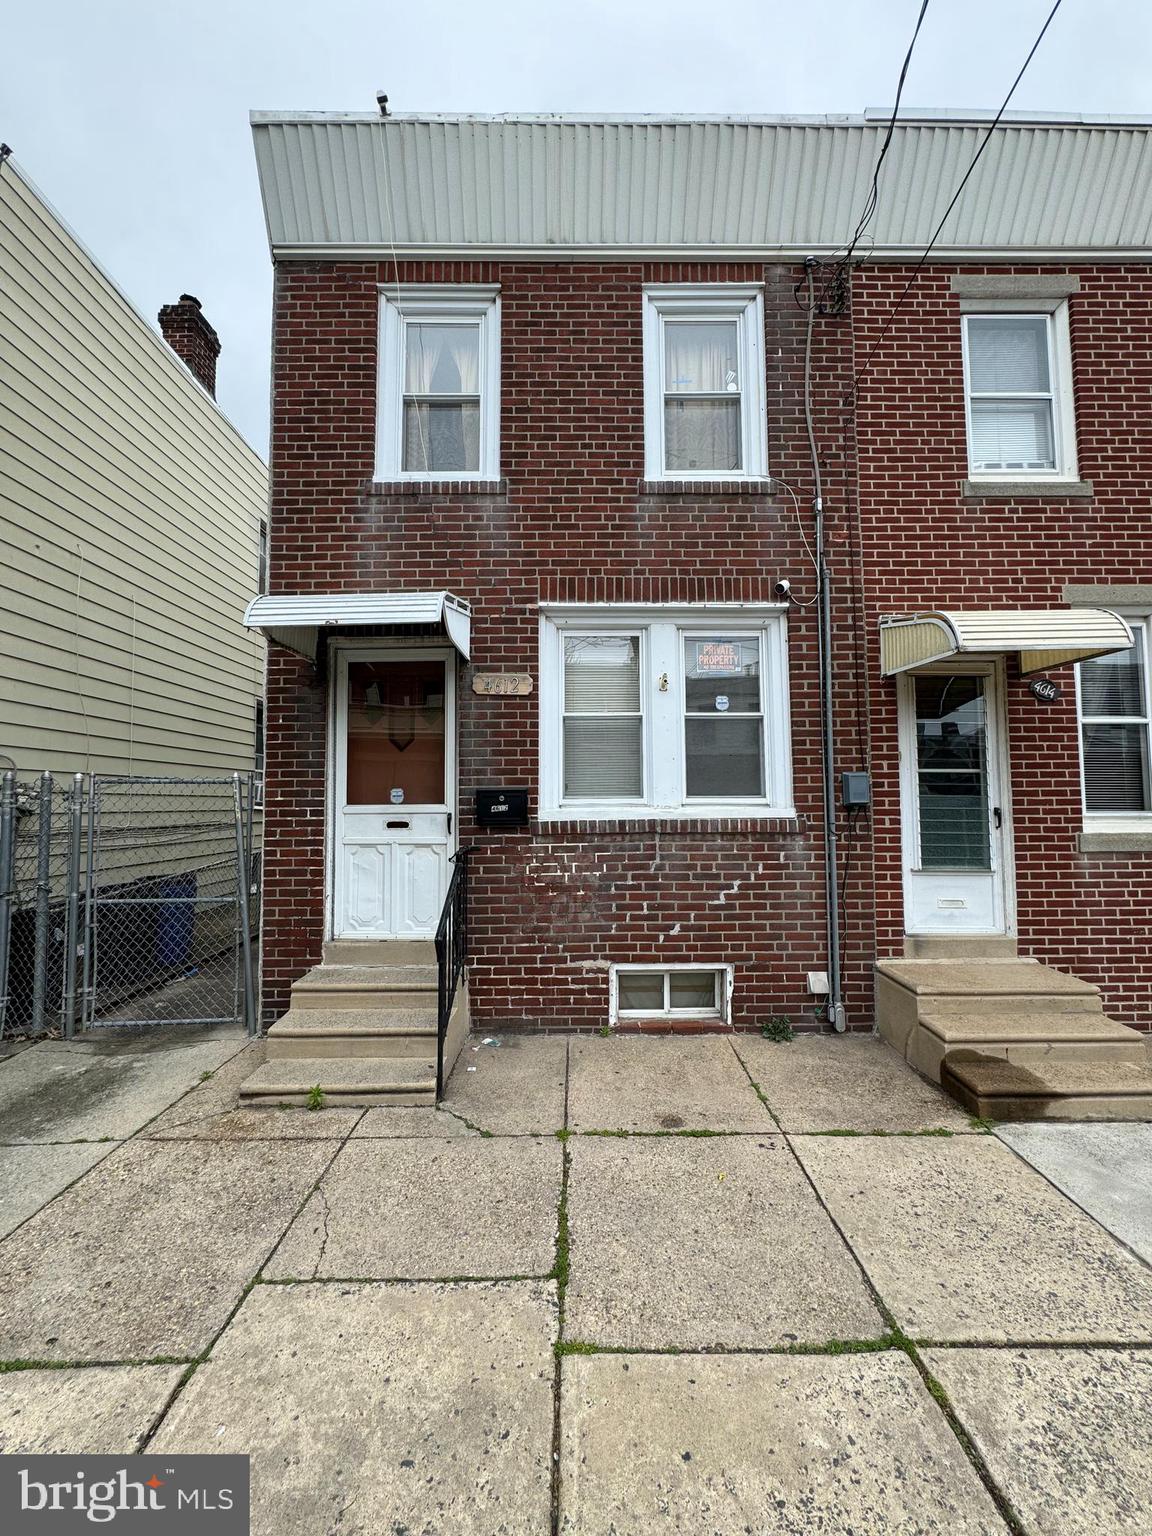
393,792
955,835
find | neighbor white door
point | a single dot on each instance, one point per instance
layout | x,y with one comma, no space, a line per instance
393,792
955,834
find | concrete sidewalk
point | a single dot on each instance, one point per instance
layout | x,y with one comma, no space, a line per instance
611,1286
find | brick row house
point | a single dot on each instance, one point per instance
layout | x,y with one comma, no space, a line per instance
754,626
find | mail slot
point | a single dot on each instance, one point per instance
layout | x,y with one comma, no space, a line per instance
502,807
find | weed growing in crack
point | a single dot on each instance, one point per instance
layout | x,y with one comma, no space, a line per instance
316,1097
778,1028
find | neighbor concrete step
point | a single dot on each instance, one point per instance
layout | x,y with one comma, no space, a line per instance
1003,983
1022,1037
1059,1088
367,1081
353,1032
907,989
379,952
366,986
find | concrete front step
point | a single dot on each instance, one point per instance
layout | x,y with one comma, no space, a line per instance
359,1081
1024,1037
366,986
906,990
1059,1088
379,952
353,1032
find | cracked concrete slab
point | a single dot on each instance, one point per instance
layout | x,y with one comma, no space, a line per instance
150,1251
845,1082
212,1111
965,1243
515,1088
413,1120
735,1444
428,1210
56,1092
103,1410
378,1408
1106,1169
690,1243
1065,1433
30,1176
634,1083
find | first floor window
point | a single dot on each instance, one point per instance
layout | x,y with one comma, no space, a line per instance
438,383
667,710
1116,725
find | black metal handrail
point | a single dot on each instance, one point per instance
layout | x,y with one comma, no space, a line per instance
451,954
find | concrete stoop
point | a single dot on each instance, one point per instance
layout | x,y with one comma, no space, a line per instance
1011,1038
362,1027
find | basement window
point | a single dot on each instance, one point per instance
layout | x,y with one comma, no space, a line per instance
670,992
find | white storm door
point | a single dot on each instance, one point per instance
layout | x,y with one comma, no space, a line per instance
394,792
953,817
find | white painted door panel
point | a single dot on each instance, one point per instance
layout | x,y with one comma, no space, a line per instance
394,774
952,803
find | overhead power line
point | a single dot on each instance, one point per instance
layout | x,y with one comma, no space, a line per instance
983,145
869,210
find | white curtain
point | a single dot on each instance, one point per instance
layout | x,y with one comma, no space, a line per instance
443,360
700,357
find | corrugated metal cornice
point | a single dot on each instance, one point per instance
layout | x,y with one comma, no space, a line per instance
347,185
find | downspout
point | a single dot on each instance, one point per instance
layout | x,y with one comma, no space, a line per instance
824,647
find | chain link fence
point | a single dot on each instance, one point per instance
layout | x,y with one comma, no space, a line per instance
127,902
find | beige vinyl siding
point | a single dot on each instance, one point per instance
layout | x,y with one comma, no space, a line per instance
129,523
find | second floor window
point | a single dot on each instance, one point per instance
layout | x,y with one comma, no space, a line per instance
438,407
704,382
1019,396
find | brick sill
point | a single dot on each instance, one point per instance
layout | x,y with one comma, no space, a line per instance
698,488
438,489
1026,490
680,826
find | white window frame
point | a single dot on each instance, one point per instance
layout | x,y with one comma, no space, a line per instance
402,304
1118,821
1059,377
663,629
743,302
722,1010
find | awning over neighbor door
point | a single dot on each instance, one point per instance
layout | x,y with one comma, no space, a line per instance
294,620
1042,638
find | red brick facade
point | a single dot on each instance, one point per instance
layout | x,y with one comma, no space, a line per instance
925,546
573,519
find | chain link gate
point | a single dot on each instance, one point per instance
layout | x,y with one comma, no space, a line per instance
128,901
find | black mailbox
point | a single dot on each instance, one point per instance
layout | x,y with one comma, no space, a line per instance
502,807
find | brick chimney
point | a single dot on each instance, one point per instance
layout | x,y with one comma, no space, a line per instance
193,340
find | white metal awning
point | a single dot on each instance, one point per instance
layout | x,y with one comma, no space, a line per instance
295,619
1042,638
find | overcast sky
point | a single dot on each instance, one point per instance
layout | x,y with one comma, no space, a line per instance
131,116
